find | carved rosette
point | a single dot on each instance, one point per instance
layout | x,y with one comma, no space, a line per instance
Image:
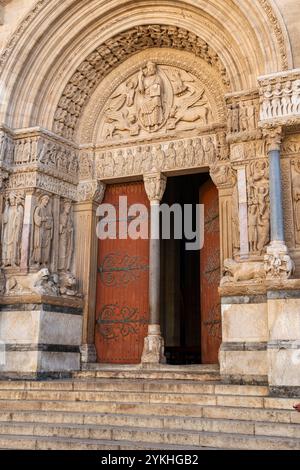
155,186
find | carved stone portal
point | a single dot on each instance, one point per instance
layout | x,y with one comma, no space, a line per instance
155,98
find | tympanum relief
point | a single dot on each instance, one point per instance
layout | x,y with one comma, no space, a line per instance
157,98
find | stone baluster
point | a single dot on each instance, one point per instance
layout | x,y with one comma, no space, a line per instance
153,353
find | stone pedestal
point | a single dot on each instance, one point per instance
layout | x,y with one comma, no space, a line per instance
284,338
40,335
154,350
243,353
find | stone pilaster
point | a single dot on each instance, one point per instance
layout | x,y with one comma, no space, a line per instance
91,194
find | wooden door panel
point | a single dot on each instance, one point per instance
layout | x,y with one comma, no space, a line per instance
122,287
211,331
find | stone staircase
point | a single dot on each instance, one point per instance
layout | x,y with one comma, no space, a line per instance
130,409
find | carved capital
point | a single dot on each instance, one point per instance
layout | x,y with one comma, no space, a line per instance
155,185
222,176
92,191
273,136
278,263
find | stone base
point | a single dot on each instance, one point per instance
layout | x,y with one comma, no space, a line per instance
40,337
154,350
88,354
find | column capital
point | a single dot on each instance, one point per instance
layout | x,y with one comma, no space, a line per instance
273,137
91,191
155,186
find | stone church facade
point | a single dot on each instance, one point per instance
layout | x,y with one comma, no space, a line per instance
104,98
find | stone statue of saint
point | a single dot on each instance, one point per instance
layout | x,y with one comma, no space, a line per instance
66,240
12,226
43,232
151,107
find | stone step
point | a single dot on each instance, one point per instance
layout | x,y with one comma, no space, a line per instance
58,443
135,436
165,386
180,410
151,374
150,398
157,422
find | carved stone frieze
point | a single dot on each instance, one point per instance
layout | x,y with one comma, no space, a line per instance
242,117
239,272
36,180
280,98
246,151
179,154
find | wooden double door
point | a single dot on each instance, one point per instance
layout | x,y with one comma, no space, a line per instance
122,311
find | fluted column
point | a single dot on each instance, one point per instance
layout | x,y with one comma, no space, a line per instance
153,353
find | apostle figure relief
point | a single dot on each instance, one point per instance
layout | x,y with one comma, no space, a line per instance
43,232
155,98
12,226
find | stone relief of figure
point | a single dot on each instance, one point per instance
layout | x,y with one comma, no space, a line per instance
170,156
66,238
235,118
180,154
259,208
12,227
42,232
252,116
190,153
159,157
199,152
243,117
210,151
287,98
276,101
253,224
150,87
235,220
296,97
296,199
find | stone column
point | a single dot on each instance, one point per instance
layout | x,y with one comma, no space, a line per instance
30,201
153,353
277,260
91,194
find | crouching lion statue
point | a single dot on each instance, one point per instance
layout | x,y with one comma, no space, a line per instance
42,283
239,272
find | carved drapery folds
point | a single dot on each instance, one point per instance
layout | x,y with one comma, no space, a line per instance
99,63
12,227
242,117
258,206
155,186
37,229
178,154
156,98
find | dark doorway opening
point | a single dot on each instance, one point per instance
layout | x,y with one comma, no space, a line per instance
183,284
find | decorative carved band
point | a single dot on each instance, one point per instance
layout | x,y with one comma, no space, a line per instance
280,98
113,52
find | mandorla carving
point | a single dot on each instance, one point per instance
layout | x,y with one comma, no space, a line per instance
154,98
115,50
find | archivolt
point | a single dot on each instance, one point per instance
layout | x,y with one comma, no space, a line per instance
245,38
